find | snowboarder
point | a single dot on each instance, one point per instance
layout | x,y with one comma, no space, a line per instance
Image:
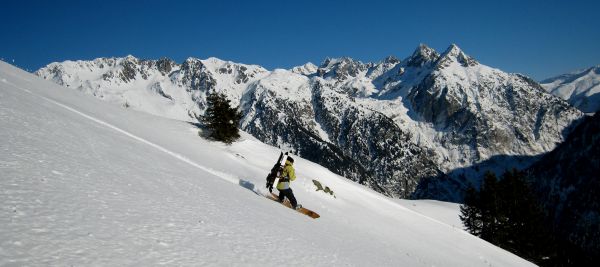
287,175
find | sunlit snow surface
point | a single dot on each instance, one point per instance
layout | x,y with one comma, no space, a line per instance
85,182
580,88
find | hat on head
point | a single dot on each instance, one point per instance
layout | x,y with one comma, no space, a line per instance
290,159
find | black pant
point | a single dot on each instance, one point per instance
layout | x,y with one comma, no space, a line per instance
289,194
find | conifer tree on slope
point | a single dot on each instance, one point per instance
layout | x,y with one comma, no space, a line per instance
506,214
221,119
470,212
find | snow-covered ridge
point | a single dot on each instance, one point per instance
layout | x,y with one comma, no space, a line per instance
388,124
580,88
86,182
160,87
306,69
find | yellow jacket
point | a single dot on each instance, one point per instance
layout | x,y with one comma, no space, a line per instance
287,175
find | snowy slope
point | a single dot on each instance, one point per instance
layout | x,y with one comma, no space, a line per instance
86,182
580,88
446,212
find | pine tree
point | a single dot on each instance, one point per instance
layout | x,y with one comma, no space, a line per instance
522,229
489,207
470,212
506,214
221,119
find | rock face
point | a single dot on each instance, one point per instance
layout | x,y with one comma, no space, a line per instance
391,125
307,116
580,88
567,180
479,113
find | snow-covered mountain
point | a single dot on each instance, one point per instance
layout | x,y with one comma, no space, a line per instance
86,182
389,124
160,87
581,88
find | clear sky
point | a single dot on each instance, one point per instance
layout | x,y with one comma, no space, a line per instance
537,38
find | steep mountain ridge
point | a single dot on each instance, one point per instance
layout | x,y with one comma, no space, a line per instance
388,124
160,87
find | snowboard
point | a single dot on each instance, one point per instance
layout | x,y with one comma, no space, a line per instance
275,171
302,210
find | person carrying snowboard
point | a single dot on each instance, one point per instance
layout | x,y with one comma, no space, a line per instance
287,175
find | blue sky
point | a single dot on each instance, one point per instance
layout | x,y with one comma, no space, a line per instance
537,38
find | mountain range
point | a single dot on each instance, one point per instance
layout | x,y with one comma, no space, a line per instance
424,126
581,88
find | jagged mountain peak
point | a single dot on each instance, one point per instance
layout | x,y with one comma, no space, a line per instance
341,68
332,62
453,49
191,60
391,60
165,65
423,49
595,70
454,54
422,55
